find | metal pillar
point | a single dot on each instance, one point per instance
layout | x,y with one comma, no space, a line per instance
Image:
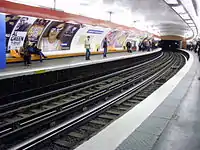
54,7
110,15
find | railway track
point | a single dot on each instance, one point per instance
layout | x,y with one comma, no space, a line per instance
61,80
85,103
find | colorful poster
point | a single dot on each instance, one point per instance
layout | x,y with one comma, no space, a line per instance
121,38
111,37
116,39
58,36
36,30
19,33
10,24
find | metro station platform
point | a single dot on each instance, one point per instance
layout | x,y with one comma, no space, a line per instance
18,69
166,120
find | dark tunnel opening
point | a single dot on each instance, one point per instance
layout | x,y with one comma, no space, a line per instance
170,44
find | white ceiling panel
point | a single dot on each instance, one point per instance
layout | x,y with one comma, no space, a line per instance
153,15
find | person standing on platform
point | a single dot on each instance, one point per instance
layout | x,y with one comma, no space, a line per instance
128,46
87,47
105,47
26,55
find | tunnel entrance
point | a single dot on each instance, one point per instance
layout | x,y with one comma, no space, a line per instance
170,44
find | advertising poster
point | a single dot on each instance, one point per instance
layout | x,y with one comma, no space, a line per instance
116,39
111,37
97,34
58,36
36,30
19,32
11,21
120,40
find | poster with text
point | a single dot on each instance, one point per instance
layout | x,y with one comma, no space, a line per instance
19,32
11,21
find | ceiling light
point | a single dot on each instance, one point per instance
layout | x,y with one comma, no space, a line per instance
188,21
185,16
84,3
171,1
179,9
191,25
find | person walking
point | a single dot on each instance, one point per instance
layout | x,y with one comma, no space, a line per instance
105,47
87,47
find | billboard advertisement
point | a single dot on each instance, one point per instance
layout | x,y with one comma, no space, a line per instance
19,32
97,34
48,35
116,39
36,30
58,36
10,24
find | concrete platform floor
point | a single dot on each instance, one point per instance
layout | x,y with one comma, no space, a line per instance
175,124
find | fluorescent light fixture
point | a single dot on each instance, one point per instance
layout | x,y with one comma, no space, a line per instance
185,16
191,25
188,21
179,9
171,1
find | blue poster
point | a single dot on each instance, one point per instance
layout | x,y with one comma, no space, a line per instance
2,42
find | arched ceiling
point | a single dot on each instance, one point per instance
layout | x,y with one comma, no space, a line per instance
158,14
155,16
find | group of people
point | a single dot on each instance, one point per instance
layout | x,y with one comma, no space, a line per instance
28,50
146,45
105,47
32,48
194,47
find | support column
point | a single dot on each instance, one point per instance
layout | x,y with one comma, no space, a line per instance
184,44
2,41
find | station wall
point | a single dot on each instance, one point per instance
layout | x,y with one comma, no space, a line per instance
56,37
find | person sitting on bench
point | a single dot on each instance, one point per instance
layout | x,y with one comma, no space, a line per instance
34,50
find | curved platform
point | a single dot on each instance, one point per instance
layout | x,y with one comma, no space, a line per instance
166,120
14,70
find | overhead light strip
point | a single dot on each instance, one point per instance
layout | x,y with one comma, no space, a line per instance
172,2
179,9
189,21
177,6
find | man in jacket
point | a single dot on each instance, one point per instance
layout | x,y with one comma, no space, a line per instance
87,47
105,47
